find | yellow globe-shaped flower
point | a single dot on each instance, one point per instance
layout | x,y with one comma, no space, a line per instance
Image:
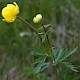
38,18
10,12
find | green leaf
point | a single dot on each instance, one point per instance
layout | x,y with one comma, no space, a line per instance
37,51
44,26
58,54
40,60
69,66
44,37
68,53
46,65
41,66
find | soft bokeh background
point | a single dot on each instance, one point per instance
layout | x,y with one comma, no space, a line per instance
16,61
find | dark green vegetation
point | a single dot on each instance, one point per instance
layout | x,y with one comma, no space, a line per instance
18,43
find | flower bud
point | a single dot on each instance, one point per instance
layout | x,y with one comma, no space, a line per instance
38,18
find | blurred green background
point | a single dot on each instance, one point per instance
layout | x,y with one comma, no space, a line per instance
16,61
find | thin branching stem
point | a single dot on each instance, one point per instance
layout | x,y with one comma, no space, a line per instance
56,72
55,68
46,36
27,23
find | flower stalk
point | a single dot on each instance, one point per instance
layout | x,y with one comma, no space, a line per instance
27,23
56,72
46,36
55,68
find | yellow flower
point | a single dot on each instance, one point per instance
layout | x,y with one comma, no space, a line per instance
10,12
38,18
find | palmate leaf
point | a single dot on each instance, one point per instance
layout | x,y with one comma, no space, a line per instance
67,53
41,66
40,60
69,66
37,51
60,54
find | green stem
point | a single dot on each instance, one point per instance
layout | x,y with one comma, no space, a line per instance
55,69
27,23
56,72
46,35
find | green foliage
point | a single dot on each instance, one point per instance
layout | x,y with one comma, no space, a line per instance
40,60
38,51
26,52
60,55
41,66
69,66
68,53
